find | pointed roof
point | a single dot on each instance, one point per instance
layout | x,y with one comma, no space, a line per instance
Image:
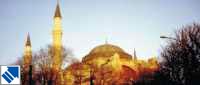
57,12
28,40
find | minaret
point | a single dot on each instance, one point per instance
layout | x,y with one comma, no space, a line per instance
57,39
135,56
27,59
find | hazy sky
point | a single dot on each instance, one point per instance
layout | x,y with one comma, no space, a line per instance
87,23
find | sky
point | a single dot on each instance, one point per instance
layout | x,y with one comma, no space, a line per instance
86,24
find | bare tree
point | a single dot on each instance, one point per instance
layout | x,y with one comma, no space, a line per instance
182,56
42,61
44,56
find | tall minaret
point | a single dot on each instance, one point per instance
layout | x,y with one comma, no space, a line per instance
57,39
27,59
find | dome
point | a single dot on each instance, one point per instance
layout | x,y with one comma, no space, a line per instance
106,48
105,51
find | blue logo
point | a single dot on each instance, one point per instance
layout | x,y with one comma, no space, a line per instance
10,74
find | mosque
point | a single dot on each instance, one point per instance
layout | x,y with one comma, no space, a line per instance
106,64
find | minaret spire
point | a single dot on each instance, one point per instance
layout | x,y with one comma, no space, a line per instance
28,40
57,11
57,39
27,59
57,46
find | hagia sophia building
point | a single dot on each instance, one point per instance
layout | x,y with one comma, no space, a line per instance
105,64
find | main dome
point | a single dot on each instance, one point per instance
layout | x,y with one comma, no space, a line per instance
106,48
106,51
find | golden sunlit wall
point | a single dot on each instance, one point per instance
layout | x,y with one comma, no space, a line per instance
27,55
115,62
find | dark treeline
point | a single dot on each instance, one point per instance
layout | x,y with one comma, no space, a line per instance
181,59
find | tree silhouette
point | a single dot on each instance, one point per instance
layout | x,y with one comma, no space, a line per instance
181,57
42,72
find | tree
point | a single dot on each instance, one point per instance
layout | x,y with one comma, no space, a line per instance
181,56
42,63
